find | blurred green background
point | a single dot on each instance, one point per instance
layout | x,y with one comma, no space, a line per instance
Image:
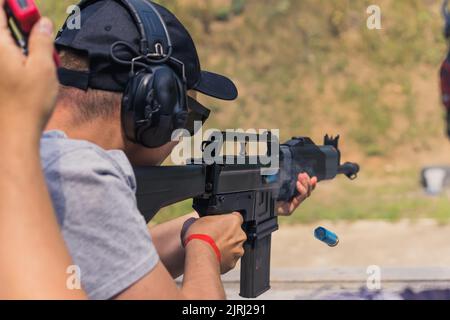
310,67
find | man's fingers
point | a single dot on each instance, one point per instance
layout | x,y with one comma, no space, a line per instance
243,236
237,214
302,190
297,201
40,44
314,182
304,178
309,185
240,253
306,182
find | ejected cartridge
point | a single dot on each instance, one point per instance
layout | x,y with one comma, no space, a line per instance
326,236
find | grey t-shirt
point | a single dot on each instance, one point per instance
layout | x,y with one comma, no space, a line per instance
93,193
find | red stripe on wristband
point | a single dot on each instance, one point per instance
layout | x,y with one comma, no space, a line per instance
206,239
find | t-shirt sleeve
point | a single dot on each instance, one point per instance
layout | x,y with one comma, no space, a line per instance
106,235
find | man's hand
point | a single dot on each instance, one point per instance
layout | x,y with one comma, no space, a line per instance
28,84
226,230
305,186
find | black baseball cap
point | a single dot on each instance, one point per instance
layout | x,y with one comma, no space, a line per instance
105,22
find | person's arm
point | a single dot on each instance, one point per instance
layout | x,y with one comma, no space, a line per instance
167,241
201,281
202,269
34,257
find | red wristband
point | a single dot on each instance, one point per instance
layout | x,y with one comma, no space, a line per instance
206,239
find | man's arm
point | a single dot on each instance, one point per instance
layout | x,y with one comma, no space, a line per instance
34,257
202,269
167,240
202,279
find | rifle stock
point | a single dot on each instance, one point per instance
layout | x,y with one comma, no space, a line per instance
159,187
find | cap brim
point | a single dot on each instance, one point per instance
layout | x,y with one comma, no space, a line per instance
216,86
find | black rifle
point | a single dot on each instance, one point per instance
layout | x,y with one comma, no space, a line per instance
244,186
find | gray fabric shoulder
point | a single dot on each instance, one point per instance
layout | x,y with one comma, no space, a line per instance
56,150
93,193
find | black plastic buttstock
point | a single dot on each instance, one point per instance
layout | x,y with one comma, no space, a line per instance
158,187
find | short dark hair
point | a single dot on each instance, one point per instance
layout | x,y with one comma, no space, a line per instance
88,104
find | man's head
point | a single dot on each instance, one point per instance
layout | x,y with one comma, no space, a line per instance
92,79
86,105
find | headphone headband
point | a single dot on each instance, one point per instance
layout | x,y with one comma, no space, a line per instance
155,37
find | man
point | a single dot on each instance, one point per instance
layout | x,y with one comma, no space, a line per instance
93,189
34,258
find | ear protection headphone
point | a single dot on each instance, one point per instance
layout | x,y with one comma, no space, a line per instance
154,103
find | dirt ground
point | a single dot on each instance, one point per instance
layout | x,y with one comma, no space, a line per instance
421,243
413,257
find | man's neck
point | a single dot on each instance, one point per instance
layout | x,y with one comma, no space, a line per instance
106,133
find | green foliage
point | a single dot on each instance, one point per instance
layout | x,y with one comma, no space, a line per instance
56,9
237,7
374,118
223,14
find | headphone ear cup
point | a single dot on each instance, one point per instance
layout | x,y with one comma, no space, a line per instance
143,95
133,104
127,111
181,115
153,106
